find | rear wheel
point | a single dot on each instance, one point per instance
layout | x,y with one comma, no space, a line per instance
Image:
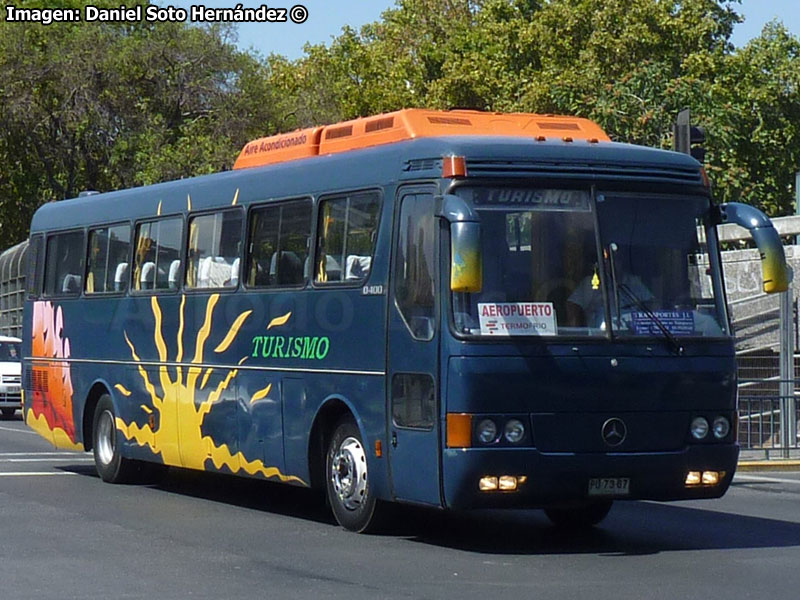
580,517
109,462
347,482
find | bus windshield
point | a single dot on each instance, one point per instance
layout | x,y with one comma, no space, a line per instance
10,352
548,270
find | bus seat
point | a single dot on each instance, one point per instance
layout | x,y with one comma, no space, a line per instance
234,280
290,271
120,277
174,272
71,284
357,267
148,277
213,272
203,267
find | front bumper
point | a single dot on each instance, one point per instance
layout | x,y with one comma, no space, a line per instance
562,478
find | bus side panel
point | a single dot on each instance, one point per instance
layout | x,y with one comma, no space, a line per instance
363,395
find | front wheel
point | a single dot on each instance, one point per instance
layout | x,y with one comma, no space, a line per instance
8,412
108,460
347,481
580,517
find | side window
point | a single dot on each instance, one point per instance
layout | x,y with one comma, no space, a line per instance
33,270
214,249
415,264
413,401
64,264
157,255
279,239
346,238
108,259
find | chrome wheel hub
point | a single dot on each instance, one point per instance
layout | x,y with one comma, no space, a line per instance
105,437
349,473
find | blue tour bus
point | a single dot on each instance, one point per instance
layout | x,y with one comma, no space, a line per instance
453,309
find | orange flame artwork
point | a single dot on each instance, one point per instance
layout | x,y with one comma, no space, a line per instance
49,411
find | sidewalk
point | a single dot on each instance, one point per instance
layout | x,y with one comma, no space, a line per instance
775,464
769,460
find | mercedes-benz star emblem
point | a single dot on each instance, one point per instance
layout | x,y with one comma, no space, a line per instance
614,432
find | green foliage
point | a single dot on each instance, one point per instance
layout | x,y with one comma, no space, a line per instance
107,106
630,65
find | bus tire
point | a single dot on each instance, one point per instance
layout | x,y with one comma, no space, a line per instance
108,460
346,479
9,412
580,517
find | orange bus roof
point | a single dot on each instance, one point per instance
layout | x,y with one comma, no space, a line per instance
409,124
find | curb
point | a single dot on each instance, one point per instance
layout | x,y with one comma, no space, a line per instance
768,465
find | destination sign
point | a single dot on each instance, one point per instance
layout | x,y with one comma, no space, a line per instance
517,318
677,322
536,199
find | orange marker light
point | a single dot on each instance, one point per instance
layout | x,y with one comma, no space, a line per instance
378,449
459,430
454,166
706,180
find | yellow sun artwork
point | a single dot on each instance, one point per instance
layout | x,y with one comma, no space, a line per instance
178,436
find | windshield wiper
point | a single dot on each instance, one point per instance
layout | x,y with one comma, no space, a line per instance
673,342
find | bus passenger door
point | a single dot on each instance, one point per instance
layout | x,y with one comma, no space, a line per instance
412,369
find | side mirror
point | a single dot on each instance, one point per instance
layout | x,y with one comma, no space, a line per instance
776,273
466,260
466,264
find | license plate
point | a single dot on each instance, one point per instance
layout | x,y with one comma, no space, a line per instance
609,486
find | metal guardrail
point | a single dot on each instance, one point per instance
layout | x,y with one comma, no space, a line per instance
761,428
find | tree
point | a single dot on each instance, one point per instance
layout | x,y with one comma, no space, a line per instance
630,65
107,106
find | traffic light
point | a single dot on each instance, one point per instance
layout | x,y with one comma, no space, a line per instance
688,138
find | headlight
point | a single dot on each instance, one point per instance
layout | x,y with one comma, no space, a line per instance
721,427
699,428
514,431
487,431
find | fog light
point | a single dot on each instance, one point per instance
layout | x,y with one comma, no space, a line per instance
487,483
694,478
721,427
710,477
514,431
487,431
508,483
699,428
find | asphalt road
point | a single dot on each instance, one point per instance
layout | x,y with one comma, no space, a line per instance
64,534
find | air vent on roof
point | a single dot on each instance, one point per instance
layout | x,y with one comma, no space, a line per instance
379,124
338,132
667,174
449,121
422,164
558,125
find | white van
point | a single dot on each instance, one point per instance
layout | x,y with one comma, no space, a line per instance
10,375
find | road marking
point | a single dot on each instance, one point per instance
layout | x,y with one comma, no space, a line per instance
39,454
36,474
756,479
19,430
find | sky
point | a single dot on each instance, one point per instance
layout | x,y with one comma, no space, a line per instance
327,17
